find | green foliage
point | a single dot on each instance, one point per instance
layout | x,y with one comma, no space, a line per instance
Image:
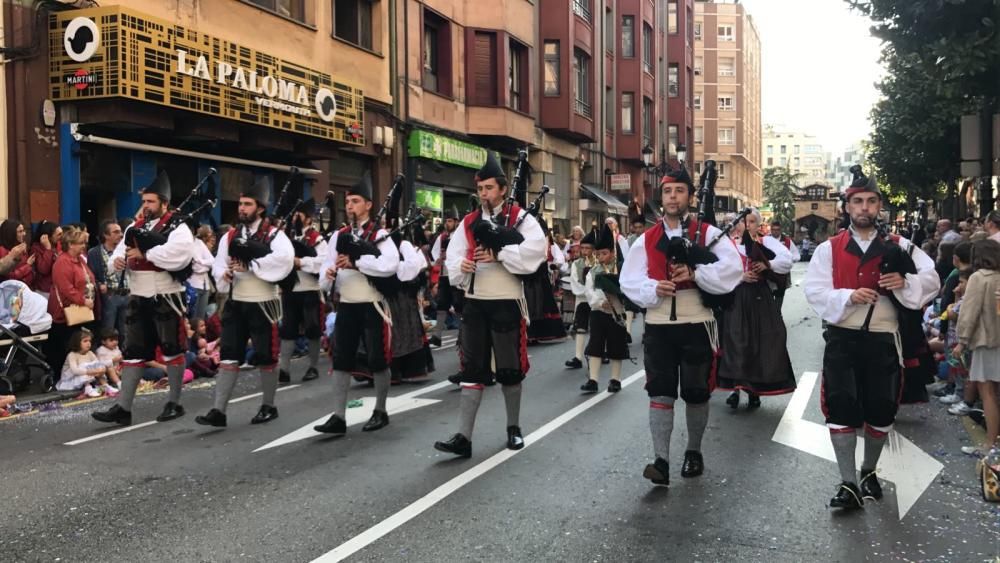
780,187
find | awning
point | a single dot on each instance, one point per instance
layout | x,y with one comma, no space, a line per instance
611,202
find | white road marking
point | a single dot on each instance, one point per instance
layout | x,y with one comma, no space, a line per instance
110,433
417,507
909,467
252,395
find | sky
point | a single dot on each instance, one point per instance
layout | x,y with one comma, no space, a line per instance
820,66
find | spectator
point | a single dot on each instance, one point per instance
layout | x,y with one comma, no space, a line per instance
23,311
979,331
946,234
992,225
45,247
930,247
16,263
113,285
82,370
73,284
204,245
638,227
202,356
108,352
944,263
575,236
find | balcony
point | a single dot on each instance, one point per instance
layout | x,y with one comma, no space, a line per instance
581,8
584,109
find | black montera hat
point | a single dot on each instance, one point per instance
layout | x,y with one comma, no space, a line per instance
491,169
605,238
260,190
363,188
160,186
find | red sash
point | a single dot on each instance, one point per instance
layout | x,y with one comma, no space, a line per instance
657,264
141,264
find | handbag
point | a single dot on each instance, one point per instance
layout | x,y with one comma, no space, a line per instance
75,314
989,482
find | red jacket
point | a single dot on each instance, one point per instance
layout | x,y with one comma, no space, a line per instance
69,283
45,258
22,271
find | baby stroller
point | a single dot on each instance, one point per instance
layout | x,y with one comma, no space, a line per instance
24,320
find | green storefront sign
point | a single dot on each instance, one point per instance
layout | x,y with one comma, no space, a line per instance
444,149
429,198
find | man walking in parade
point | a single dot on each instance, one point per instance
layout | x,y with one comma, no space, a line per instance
252,258
447,296
484,259
782,284
666,272
154,315
855,282
577,281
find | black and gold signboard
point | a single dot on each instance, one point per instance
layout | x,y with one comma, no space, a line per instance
116,52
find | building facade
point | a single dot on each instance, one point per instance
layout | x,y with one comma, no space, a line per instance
800,152
727,101
839,169
680,79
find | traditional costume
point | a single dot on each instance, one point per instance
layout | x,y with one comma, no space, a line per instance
493,338
154,314
543,311
862,361
608,337
578,285
780,283
448,297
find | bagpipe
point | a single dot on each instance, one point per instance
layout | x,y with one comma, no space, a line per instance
494,234
610,283
392,284
245,249
355,246
895,260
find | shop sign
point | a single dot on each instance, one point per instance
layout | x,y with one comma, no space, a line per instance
118,52
620,182
429,198
445,149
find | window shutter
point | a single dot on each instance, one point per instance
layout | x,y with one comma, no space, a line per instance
484,69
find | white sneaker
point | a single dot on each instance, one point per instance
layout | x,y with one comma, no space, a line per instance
959,409
972,450
90,391
939,384
950,399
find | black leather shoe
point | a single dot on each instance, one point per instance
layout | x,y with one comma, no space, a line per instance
434,341
514,439
848,496
214,417
456,378
267,413
614,386
870,487
733,400
694,464
115,414
333,425
311,374
171,410
457,444
379,419
753,402
284,376
658,472
574,363
589,387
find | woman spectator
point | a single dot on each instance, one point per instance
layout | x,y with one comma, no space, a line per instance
73,284
944,265
204,243
979,331
574,238
45,248
16,262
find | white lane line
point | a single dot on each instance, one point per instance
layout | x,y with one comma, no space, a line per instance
252,395
425,390
110,433
417,507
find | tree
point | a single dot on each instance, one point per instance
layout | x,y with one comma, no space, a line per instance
780,187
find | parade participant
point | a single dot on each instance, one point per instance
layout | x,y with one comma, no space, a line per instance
493,318
754,352
679,349
302,307
638,227
622,248
411,355
853,281
252,258
578,285
362,313
782,283
447,296
154,315
608,338
544,318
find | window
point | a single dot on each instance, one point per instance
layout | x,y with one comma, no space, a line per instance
437,40
628,36
672,139
517,79
582,63
628,123
609,31
722,170
672,16
726,33
726,103
697,100
697,167
292,9
551,68
796,162
784,149
699,135
795,149
727,136
647,48
784,161
727,66
770,161
609,110
673,81
484,75
352,21
698,63
770,150
582,9
648,114
697,31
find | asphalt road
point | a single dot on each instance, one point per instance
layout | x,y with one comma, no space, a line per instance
180,492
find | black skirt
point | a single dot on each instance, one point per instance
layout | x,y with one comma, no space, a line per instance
754,344
546,318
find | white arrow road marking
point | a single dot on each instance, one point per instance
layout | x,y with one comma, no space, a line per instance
909,467
414,509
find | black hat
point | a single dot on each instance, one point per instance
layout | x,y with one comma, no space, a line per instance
160,186
861,183
363,188
605,238
452,213
490,169
679,175
590,239
307,207
260,190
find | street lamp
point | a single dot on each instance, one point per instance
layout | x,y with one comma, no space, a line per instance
647,156
681,153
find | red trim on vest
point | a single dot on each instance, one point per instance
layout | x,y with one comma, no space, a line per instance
366,230
312,237
260,235
848,271
787,241
657,264
469,219
141,264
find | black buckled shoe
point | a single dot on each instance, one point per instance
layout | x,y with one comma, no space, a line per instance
589,387
733,400
614,386
434,341
379,419
658,472
753,401
266,414
870,487
694,464
455,378
171,410
574,363
214,417
333,425
284,376
115,414
848,497
514,439
311,374
457,444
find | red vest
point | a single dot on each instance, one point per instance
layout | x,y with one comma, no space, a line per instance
260,235
141,264
474,216
787,241
849,272
657,264
311,237
366,230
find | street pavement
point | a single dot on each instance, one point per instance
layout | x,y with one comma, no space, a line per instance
181,492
